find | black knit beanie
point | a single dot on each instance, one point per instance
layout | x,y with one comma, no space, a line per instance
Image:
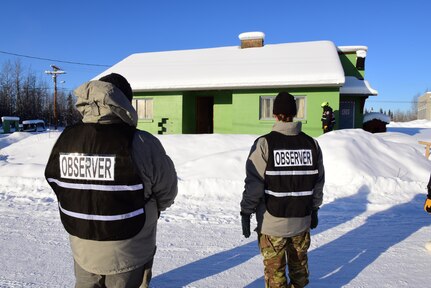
284,104
120,82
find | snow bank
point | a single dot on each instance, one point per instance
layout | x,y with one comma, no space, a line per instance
371,220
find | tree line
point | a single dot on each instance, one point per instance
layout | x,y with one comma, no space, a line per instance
401,116
25,96
398,115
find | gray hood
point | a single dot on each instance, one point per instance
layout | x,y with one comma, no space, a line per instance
102,102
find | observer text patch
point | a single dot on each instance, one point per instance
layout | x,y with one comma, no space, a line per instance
284,158
87,167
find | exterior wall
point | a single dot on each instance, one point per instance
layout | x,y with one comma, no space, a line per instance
348,61
223,113
424,106
246,108
235,112
165,105
189,113
315,97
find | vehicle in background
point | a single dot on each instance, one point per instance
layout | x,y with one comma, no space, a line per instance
33,126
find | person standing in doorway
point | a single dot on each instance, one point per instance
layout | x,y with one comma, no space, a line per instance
328,118
284,188
111,182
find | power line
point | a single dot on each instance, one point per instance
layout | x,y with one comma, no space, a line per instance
55,60
382,101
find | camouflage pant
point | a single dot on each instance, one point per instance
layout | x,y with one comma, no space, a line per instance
279,251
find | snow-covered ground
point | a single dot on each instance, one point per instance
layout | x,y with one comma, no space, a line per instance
372,228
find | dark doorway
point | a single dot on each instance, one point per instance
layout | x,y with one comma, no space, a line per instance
347,114
204,115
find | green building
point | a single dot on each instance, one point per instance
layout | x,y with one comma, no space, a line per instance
231,89
10,124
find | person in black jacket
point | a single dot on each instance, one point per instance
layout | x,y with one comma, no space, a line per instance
328,119
111,181
427,206
284,188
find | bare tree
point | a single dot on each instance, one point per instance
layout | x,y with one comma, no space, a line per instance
22,94
7,95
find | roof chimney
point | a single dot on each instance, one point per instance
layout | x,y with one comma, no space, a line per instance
251,39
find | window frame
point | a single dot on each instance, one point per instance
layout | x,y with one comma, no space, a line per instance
271,98
146,101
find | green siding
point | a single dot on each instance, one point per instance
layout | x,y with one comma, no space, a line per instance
235,112
314,98
165,105
223,112
348,61
189,113
246,107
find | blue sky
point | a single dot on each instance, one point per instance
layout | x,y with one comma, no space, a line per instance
397,34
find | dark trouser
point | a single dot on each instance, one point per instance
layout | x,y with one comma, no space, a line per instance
278,252
327,129
139,277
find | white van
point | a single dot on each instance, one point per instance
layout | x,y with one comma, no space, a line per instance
33,126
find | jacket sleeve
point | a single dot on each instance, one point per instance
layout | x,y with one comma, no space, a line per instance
155,168
318,187
255,173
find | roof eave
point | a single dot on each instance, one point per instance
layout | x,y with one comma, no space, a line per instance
237,87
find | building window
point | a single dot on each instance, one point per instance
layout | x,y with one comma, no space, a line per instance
267,102
144,108
300,107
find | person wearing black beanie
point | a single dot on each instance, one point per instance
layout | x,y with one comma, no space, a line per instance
284,104
284,188
120,82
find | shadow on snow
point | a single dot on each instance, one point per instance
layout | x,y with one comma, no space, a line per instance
337,263
333,264
206,267
331,215
406,130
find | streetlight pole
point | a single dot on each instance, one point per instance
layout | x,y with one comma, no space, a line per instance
54,73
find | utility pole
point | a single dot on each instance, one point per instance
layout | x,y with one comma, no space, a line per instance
54,73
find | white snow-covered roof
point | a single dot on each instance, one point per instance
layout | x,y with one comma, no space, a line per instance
347,49
302,64
9,118
35,121
355,86
376,115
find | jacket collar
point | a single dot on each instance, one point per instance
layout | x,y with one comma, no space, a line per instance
287,128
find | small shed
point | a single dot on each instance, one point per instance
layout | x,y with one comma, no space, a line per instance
375,122
33,125
10,124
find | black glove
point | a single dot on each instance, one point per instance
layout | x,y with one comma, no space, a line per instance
314,218
245,222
